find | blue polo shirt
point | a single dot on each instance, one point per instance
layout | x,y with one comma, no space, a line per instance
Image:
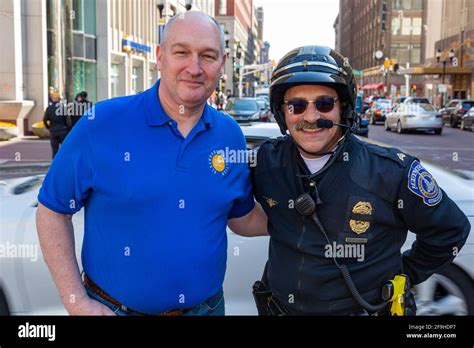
156,204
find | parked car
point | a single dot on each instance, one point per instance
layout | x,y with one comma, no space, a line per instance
379,110
454,111
30,290
399,100
363,122
416,100
467,120
243,109
265,113
414,117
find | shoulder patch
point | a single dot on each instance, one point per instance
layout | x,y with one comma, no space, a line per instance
422,184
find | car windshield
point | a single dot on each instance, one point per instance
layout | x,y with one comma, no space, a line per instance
246,105
417,108
383,103
427,107
261,104
467,105
420,100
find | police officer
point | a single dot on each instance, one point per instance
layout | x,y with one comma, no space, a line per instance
339,209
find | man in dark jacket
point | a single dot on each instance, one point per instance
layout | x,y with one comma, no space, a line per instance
339,209
81,105
55,120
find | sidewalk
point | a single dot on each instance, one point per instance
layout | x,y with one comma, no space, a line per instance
24,157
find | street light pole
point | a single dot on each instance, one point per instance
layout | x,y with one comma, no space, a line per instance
444,61
444,70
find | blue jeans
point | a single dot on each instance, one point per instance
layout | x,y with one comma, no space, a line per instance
214,305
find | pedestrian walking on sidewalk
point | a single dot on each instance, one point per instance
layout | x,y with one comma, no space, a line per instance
56,122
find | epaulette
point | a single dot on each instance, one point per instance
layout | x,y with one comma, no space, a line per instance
391,153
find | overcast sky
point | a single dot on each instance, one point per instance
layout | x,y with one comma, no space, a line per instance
292,23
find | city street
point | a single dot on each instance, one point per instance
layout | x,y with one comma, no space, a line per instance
453,149
24,157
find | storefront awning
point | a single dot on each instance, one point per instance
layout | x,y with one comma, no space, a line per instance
373,86
450,70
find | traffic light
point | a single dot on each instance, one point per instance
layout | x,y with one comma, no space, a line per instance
413,90
238,53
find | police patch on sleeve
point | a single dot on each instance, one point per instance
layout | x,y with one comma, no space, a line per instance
422,184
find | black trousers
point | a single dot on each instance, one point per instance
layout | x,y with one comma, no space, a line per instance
56,140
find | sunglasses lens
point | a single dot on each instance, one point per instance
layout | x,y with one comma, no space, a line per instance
297,106
325,104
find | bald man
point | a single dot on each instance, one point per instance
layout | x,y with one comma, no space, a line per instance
151,173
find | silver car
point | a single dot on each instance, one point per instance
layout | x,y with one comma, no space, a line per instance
30,289
414,117
468,120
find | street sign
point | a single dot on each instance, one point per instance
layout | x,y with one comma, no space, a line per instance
442,88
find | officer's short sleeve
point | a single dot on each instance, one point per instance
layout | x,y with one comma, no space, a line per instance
69,179
441,228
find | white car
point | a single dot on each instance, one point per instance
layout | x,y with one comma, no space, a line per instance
30,290
405,117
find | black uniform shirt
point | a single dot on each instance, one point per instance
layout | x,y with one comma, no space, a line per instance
370,197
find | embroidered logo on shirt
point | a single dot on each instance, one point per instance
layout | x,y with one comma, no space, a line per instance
271,202
217,163
422,184
360,226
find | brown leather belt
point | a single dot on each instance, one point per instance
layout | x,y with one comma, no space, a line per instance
101,293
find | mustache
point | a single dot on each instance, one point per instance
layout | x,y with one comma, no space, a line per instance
306,125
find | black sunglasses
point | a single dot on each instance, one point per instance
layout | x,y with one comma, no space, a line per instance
323,104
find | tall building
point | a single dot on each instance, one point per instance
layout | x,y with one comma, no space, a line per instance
23,67
105,47
449,67
243,25
377,36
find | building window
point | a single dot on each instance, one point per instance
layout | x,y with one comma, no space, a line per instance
78,15
89,17
417,4
416,54
400,52
114,80
407,4
404,53
85,78
396,25
134,80
416,26
222,7
406,26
